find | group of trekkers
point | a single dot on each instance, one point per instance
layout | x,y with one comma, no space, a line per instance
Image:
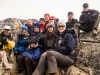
47,44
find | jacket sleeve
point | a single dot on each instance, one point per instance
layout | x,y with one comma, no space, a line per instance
95,13
37,54
69,45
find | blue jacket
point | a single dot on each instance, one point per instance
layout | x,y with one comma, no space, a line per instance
33,53
68,45
21,46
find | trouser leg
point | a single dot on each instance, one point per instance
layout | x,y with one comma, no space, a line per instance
20,62
55,58
30,65
96,24
41,65
5,60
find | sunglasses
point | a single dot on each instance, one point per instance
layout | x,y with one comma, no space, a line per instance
51,19
7,29
60,26
32,43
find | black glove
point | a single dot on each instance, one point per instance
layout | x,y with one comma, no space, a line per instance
15,53
4,40
20,36
82,22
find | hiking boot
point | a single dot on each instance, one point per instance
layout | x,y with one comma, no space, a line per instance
95,32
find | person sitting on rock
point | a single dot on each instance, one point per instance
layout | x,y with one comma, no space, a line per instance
29,25
36,32
6,46
89,20
21,45
42,24
46,17
72,23
58,57
29,59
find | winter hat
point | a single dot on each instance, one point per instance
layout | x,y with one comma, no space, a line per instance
47,14
25,28
52,17
70,12
33,40
85,5
61,22
42,19
50,26
37,24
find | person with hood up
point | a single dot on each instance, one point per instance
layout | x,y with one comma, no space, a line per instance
29,59
21,45
36,32
46,17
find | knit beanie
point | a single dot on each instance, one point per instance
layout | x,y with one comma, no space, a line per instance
52,17
61,22
25,28
47,14
70,12
42,19
50,26
33,40
37,24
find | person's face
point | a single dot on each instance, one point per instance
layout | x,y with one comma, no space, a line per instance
32,45
85,8
51,21
50,29
61,28
70,16
46,17
29,23
36,29
24,32
7,31
42,22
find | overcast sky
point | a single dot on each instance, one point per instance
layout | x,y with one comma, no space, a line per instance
29,9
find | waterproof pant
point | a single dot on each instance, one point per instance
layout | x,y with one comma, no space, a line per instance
27,64
51,59
4,60
55,58
90,27
41,65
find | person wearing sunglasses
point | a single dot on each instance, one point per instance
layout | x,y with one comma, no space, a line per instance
89,20
6,45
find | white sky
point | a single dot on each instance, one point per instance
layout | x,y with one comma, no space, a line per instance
29,9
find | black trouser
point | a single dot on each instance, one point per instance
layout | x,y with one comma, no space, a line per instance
26,64
90,27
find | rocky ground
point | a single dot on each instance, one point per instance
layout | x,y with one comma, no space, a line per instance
88,59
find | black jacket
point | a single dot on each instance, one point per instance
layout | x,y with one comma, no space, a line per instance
88,17
70,23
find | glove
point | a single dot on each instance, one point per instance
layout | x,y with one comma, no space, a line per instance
82,22
4,39
20,36
15,53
